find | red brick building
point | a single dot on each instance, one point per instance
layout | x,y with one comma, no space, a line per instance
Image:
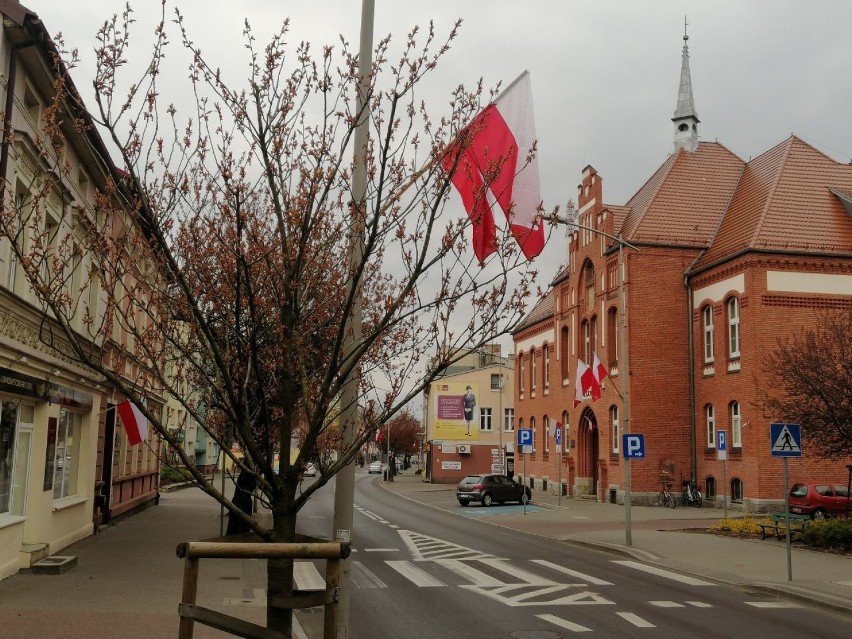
725,256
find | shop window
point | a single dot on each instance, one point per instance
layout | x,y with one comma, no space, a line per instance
15,440
67,462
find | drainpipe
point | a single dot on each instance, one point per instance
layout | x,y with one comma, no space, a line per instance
690,332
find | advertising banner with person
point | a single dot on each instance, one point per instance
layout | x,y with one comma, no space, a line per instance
455,408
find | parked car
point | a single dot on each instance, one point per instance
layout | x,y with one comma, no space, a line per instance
375,467
310,470
819,500
491,488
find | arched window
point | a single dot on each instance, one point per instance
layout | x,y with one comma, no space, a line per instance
521,373
532,428
594,338
736,426
565,433
545,364
586,347
589,285
613,424
564,350
736,490
533,365
710,421
707,322
545,428
710,487
612,337
733,327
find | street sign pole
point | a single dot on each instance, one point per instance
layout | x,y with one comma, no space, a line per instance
787,520
725,488
722,454
526,481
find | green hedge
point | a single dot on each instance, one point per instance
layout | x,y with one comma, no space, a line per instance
829,533
170,475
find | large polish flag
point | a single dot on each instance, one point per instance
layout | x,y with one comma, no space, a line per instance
584,383
135,423
598,369
494,156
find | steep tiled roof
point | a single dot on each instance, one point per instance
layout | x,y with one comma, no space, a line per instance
685,199
541,311
784,201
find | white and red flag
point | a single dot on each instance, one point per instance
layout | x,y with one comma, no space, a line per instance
598,369
585,382
135,423
499,161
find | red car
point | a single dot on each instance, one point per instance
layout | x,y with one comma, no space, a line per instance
819,500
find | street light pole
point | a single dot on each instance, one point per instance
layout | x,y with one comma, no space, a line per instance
344,493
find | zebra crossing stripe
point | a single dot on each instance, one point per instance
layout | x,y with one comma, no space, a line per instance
659,572
586,579
415,575
564,623
362,577
636,620
307,577
772,604
523,575
476,577
667,604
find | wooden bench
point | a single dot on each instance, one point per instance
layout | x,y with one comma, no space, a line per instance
778,525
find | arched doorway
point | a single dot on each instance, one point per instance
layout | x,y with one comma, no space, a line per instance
588,450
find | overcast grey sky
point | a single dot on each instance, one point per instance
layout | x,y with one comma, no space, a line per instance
604,72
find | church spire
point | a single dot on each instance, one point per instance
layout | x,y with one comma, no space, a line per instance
685,119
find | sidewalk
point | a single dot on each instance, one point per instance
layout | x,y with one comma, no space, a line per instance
668,538
128,580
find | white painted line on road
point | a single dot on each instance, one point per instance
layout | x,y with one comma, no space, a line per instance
394,526
363,578
476,577
381,549
636,620
772,604
523,575
700,604
659,572
414,574
844,583
579,575
307,577
667,604
564,623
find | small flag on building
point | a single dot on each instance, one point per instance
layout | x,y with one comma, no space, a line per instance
135,423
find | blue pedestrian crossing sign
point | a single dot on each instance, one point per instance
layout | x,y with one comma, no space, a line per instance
785,440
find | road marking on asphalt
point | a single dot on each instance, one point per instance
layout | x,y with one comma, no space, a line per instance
381,549
573,573
636,620
414,574
564,623
476,577
667,604
772,604
363,578
700,604
525,576
659,572
425,548
844,583
307,576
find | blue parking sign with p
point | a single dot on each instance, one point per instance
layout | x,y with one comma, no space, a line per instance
633,445
525,437
721,440
558,435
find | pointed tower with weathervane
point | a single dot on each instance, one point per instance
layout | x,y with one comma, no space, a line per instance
685,118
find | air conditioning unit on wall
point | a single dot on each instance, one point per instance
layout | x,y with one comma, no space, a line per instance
463,449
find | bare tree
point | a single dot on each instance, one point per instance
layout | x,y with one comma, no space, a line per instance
810,383
219,272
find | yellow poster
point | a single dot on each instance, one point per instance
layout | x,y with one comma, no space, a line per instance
457,414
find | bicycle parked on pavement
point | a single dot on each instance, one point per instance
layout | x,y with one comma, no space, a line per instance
665,498
691,495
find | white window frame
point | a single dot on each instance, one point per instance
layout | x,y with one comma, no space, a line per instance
736,425
546,434
707,317
710,422
66,474
18,477
485,418
532,428
733,327
613,420
533,370
522,372
509,419
546,364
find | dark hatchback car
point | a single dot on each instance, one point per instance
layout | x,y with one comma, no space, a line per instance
491,488
819,500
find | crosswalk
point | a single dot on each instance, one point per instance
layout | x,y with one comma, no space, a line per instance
437,563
